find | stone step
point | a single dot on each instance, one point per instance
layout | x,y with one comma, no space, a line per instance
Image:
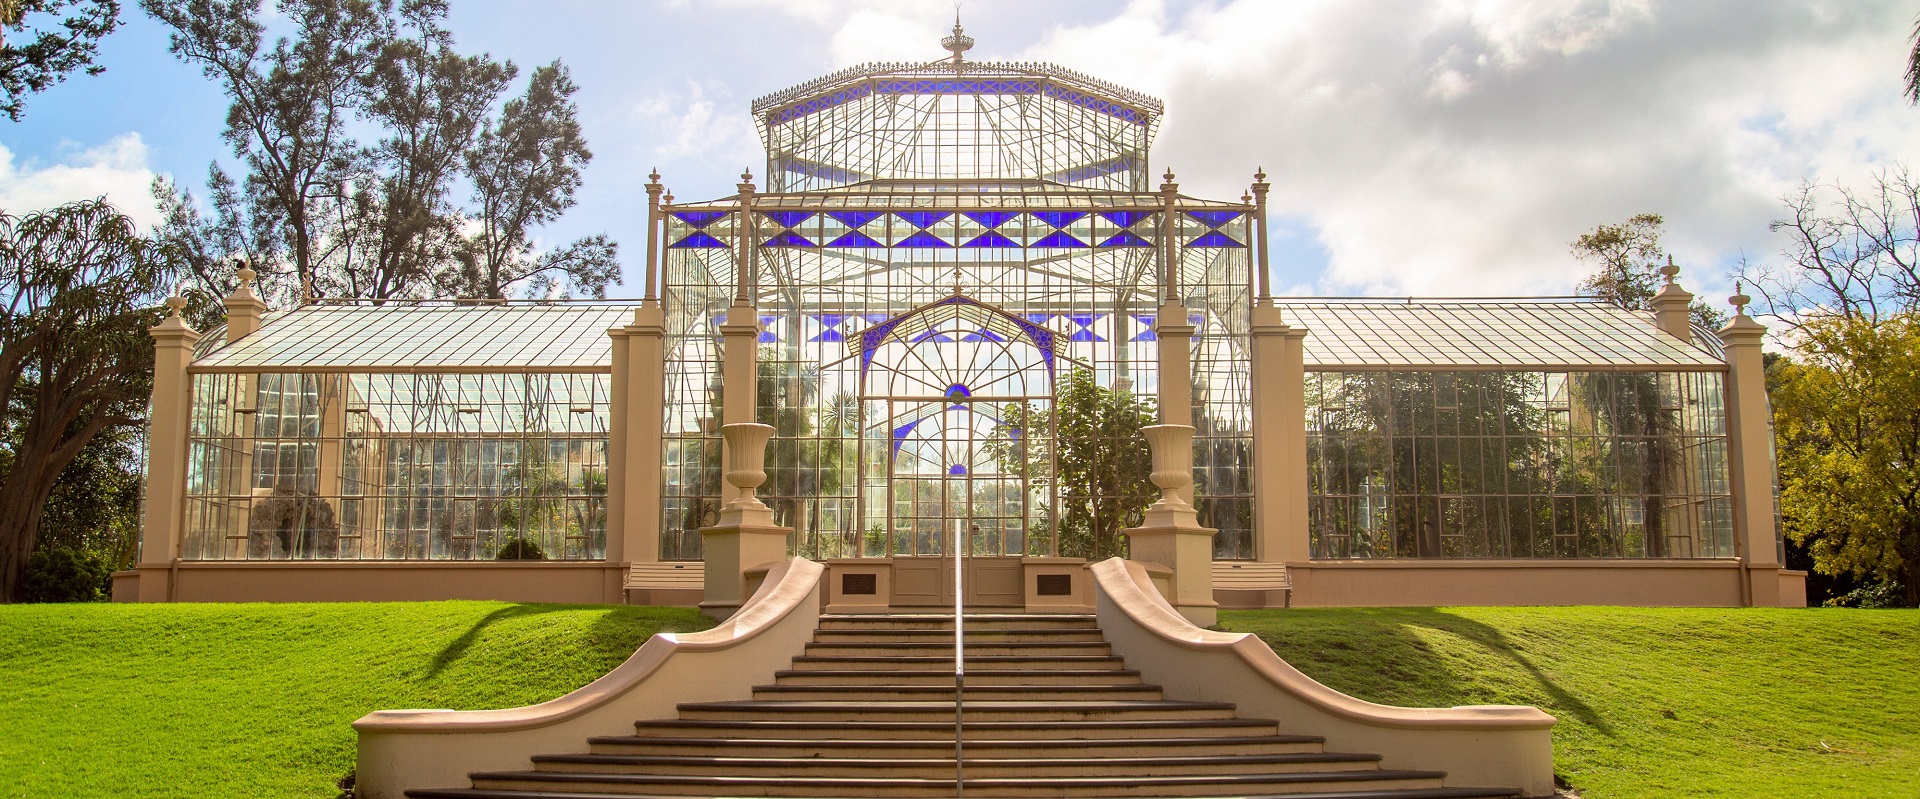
1398,793
981,677
930,649
1043,711
902,788
936,768
879,691
1151,746
809,728
945,637
975,662
934,621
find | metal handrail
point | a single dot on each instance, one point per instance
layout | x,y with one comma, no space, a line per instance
959,664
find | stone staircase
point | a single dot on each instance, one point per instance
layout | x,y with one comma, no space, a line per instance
868,711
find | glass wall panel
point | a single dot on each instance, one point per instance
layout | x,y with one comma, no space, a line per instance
397,466
1491,464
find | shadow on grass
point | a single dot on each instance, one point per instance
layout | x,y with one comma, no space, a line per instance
1495,641
457,648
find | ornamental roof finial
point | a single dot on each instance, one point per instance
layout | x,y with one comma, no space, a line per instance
1670,271
1739,300
959,42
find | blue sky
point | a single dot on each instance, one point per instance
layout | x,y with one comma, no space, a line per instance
1415,147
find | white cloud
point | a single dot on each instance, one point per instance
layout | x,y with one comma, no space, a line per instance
690,125
117,169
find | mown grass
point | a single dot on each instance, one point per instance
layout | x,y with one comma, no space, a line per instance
255,700
1652,702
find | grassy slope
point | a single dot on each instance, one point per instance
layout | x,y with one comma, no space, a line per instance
1652,703
255,700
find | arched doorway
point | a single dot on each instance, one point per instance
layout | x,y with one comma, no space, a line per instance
958,399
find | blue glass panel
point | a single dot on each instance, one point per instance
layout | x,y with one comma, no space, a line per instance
1059,219
1215,239
991,238
991,218
788,218
900,434
922,219
1039,318
854,218
931,335
1146,320
924,239
957,471
1125,218
1059,239
699,219
1214,218
768,337
787,239
1125,239
1084,335
698,240
829,335
1082,319
984,334
958,390
854,238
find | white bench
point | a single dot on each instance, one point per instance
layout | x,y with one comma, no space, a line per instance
1250,584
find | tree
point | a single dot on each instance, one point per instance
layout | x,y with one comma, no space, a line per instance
1628,258
1848,416
316,211
1096,455
1913,65
79,288
524,171
1844,297
54,50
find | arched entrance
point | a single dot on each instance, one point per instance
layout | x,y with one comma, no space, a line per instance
958,397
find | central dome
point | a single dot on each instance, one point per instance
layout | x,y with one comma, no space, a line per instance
955,119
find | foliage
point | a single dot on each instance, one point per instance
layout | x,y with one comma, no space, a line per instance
520,549
1912,92
1844,298
78,290
1628,258
292,523
236,701
801,468
55,49
1096,453
316,211
64,574
95,503
1651,702
1848,415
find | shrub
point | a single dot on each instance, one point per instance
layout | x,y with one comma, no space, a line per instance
520,549
292,523
64,574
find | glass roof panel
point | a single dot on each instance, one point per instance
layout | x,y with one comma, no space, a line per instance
1537,334
570,337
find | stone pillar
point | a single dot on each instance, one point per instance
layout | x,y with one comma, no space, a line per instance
745,535
1170,534
645,411
1750,457
619,444
163,520
1673,305
739,373
1279,438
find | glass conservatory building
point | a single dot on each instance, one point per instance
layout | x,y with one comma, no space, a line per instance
956,297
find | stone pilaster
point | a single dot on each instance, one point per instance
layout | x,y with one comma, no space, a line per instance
1750,450
163,520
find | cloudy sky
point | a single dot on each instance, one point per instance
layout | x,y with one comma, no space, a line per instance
1416,147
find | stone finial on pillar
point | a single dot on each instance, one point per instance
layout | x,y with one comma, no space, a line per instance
1672,306
1170,533
1750,445
745,535
245,309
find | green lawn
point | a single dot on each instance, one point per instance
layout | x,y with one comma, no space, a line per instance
1652,702
250,701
